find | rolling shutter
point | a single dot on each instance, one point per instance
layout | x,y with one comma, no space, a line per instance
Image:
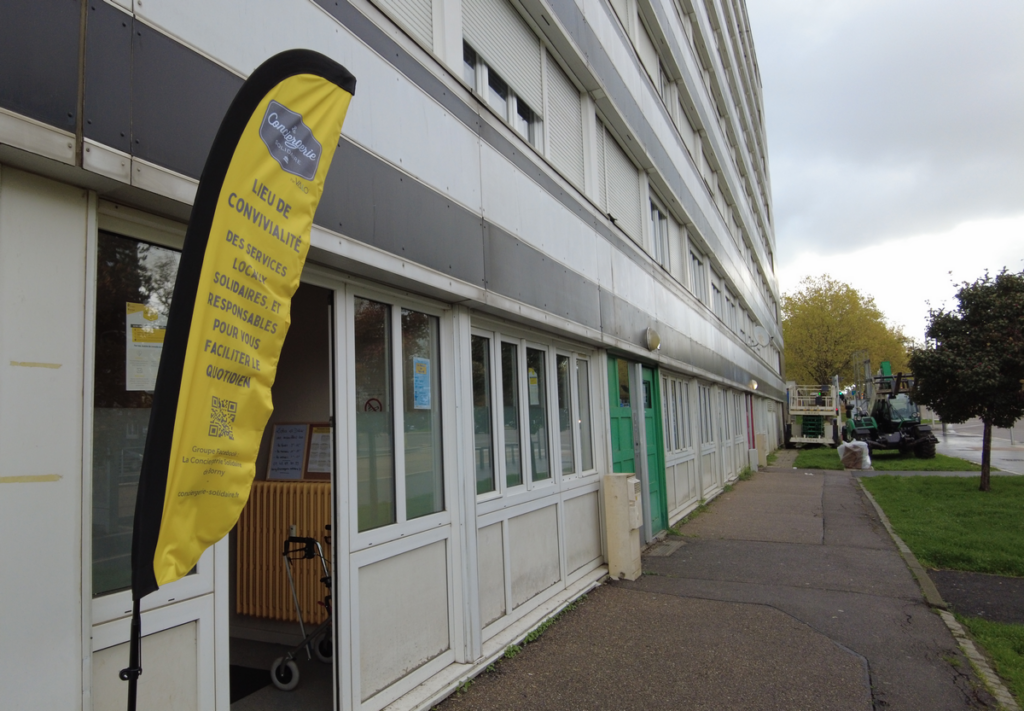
602,169
417,16
496,31
623,188
565,123
648,54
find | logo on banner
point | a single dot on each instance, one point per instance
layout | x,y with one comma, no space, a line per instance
290,141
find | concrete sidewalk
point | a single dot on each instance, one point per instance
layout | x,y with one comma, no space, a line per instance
787,594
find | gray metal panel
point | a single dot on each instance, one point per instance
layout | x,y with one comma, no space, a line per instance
178,100
416,223
371,201
346,205
517,270
623,320
108,76
39,42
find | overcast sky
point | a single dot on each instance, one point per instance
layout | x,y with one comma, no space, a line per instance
896,143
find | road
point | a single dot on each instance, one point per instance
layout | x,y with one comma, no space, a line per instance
975,427
964,441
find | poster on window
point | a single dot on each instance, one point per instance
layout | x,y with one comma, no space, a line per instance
421,383
144,342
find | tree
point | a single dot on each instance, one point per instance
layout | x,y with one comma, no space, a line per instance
972,363
825,322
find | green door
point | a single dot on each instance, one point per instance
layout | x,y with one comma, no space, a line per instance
655,451
623,458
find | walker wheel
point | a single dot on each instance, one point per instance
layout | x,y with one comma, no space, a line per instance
324,647
284,674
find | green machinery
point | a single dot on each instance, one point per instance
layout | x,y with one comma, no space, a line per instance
881,413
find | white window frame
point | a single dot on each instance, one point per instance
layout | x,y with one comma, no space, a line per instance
112,606
659,226
698,276
504,495
675,394
510,114
402,527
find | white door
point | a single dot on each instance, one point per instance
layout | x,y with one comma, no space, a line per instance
709,469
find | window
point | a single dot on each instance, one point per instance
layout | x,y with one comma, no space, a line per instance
469,62
707,434
421,419
737,413
583,417
483,436
497,94
664,82
399,472
676,406
619,185
565,123
565,433
530,411
537,387
375,467
134,282
716,301
659,235
510,408
698,282
723,415
500,96
648,53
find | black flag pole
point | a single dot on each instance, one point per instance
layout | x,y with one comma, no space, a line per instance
134,670
289,147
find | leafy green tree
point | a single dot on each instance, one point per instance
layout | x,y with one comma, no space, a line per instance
972,364
825,322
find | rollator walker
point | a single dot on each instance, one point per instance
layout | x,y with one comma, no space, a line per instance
284,672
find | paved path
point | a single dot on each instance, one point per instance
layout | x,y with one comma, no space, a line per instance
786,594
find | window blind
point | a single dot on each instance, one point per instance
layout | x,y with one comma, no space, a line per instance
565,123
495,29
648,53
623,188
417,16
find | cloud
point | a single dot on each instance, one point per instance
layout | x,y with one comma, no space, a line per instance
887,119
909,275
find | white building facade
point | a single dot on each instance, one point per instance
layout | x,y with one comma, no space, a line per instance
562,208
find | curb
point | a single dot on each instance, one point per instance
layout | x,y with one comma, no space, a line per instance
934,599
931,593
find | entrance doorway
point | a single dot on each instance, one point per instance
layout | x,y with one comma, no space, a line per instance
655,449
635,408
292,497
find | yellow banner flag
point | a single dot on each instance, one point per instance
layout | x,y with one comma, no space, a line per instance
244,252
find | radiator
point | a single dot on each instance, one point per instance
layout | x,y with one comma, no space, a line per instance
262,586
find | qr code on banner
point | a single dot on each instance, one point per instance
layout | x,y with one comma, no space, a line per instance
222,417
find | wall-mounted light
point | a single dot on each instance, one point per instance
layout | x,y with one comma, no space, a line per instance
753,384
653,340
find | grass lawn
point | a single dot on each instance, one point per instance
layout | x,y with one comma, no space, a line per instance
1005,644
948,523
827,458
